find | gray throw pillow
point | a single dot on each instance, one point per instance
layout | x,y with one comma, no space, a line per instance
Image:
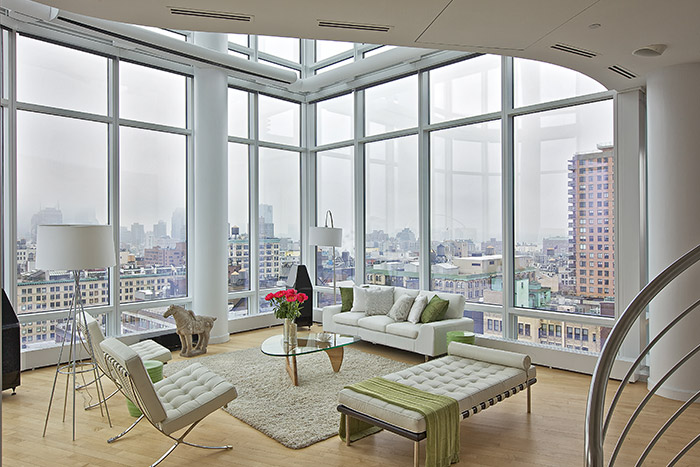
379,301
399,312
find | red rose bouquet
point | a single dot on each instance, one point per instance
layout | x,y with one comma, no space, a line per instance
286,303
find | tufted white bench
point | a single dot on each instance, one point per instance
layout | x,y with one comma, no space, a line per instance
477,377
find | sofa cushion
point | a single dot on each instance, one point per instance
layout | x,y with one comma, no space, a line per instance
345,298
404,329
379,301
417,308
359,297
399,312
435,310
349,318
456,306
401,291
375,323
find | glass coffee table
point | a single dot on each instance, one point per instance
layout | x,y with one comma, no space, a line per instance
307,343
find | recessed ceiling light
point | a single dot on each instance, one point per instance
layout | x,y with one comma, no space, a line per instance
653,50
594,26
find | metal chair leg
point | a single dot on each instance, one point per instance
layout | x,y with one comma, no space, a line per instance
416,453
529,398
114,438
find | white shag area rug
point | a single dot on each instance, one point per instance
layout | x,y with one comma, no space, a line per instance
295,416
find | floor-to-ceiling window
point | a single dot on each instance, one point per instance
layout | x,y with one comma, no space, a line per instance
481,171
98,141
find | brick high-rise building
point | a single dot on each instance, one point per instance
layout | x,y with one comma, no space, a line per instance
592,222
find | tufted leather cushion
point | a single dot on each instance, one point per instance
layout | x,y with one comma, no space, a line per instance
375,323
404,329
96,338
151,350
190,394
468,381
130,360
348,318
486,354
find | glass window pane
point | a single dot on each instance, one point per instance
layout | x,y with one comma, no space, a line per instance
465,89
4,63
48,333
335,120
238,218
151,95
237,113
146,319
240,39
237,307
335,193
327,49
466,240
279,215
56,76
61,179
568,335
392,106
283,47
279,120
153,188
564,209
391,199
537,82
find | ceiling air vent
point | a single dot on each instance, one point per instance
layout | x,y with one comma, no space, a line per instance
181,11
356,26
574,50
622,72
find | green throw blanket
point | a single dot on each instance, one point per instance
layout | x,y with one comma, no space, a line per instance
441,414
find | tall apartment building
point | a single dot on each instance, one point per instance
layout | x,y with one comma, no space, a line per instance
591,227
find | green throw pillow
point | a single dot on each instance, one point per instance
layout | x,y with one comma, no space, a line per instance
345,298
435,310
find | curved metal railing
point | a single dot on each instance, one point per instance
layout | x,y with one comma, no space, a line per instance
596,425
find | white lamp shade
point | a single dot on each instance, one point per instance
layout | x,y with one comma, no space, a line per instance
326,236
74,247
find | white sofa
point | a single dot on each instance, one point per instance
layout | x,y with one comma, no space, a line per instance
424,338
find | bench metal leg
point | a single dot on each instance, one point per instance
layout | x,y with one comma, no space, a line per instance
416,453
347,430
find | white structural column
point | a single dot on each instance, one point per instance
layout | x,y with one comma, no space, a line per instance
210,190
673,109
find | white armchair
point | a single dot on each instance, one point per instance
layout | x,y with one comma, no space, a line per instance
179,400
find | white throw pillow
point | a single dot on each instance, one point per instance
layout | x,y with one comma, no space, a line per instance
379,301
419,305
359,298
399,312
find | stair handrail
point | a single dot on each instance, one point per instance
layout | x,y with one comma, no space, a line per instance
594,437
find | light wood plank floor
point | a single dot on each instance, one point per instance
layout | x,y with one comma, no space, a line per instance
502,435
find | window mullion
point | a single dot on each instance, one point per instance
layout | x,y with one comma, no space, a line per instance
510,330
113,321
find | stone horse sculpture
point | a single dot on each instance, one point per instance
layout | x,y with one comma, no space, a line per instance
188,324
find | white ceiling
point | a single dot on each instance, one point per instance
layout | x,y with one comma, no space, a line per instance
522,28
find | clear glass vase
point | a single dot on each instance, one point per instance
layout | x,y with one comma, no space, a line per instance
290,332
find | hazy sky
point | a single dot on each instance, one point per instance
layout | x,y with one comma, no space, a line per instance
63,162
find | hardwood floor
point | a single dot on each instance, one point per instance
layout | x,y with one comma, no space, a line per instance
502,435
